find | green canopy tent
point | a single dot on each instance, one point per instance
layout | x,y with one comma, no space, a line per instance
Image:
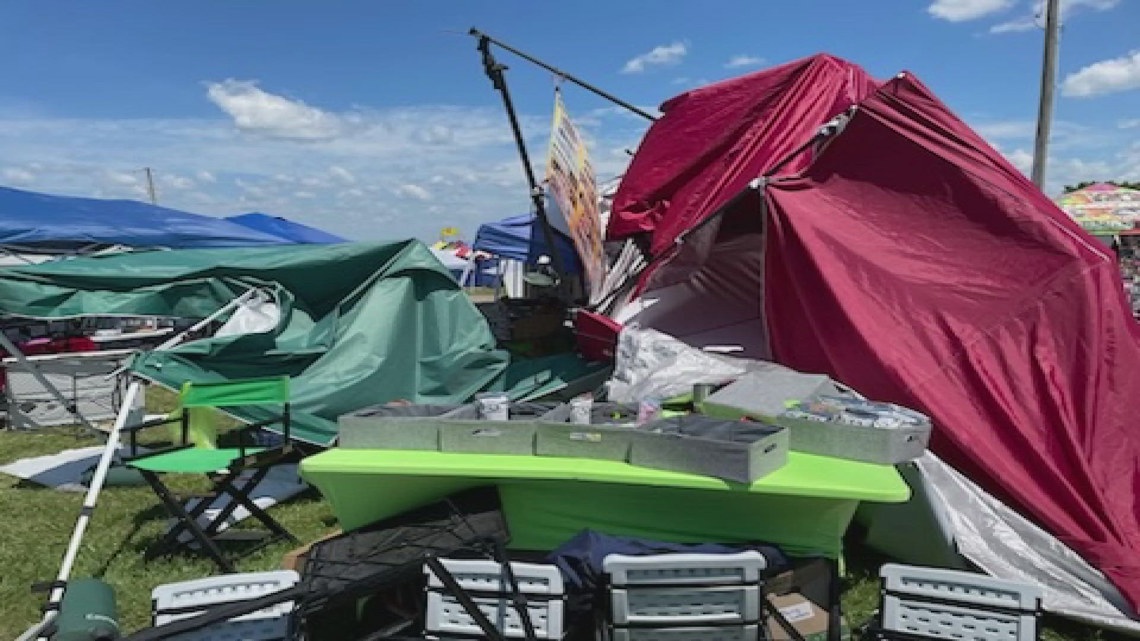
360,324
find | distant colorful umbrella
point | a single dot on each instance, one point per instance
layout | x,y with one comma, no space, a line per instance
1104,209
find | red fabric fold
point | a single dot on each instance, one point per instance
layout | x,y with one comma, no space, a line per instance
911,261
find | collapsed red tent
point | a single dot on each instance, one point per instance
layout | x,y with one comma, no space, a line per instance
908,259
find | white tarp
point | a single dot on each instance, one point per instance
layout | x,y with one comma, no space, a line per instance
650,364
1007,546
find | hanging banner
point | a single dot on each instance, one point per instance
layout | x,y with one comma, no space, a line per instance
573,189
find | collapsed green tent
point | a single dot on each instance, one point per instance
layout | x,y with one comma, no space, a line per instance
360,323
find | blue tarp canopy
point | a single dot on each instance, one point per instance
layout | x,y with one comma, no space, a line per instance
521,238
33,220
287,229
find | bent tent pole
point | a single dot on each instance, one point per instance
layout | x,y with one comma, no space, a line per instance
562,74
88,509
71,406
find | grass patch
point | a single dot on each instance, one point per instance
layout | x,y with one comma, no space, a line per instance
38,524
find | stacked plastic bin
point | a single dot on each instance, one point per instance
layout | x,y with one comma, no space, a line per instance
540,585
683,597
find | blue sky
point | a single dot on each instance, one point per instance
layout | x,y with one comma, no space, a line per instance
374,119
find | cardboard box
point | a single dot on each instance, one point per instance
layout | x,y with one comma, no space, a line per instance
801,595
295,559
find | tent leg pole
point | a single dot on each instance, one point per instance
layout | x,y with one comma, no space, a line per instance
71,407
100,476
88,509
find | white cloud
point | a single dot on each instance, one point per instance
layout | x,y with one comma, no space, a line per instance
1017,25
662,55
174,181
1129,124
743,60
1035,17
473,178
437,135
342,174
123,178
1021,159
963,10
259,112
1104,77
411,190
206,177
1006,129
1061,170
17,176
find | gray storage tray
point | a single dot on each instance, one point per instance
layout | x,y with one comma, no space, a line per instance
607,437
883,445
765,393
756,450
399,427
868,442
514,436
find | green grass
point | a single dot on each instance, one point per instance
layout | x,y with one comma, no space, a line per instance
37,525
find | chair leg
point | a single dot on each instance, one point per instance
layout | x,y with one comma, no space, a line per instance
223,487
173,537
240,495
174,507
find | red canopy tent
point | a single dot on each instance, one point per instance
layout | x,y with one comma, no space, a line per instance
904,256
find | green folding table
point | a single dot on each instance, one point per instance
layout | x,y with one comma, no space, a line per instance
804,507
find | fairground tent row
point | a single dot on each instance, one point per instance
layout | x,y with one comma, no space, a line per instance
858,228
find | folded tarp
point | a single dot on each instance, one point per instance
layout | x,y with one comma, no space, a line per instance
359,324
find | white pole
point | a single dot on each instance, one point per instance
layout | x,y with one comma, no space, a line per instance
88,509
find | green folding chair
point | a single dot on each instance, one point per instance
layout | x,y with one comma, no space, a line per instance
196,452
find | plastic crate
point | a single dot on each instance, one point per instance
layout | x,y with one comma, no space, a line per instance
446,617
479,575
263,625
684,569
949,604
485,583
685,606
707,633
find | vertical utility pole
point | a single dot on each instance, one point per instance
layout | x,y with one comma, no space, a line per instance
1048,80
150,186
